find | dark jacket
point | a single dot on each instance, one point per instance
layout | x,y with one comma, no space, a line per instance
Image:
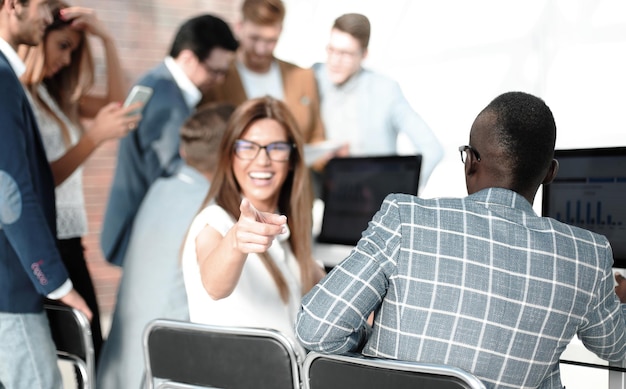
30,265
145,154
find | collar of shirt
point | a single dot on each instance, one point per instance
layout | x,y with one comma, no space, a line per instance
190,175
347,87
191,93
500,197
351,83
14,60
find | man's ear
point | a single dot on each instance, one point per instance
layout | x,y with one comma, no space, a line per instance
238,26
185,55
552,171
471,166
187,61
13,5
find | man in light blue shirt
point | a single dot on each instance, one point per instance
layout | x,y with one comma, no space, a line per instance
364,109
152,282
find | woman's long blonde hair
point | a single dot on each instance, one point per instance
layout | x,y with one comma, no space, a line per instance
296,196
70,83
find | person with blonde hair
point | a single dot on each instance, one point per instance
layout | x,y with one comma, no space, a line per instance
158,232
59,76
256,72
247,256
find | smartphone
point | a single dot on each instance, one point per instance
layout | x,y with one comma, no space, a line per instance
139,93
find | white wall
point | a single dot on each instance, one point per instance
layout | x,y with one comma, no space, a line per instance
453,56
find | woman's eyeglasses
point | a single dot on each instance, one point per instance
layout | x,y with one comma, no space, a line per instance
276,151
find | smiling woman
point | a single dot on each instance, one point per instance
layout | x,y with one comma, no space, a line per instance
247,256
261,175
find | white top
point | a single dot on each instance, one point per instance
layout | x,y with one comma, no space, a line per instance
262,84
70,201
255,301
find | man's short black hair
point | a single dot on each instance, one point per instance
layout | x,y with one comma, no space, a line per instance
202,34
525,127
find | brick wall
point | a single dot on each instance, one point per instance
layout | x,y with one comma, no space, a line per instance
143,31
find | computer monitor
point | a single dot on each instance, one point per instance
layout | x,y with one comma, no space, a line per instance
354,189
589,191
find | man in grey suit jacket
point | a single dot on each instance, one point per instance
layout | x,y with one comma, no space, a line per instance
200,55
481,282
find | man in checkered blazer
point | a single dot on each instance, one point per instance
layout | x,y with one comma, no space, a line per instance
481,282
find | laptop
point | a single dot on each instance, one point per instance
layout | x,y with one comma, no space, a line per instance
354,188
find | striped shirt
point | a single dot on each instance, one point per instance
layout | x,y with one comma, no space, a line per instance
481,283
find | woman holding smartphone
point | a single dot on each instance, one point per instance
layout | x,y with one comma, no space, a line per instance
59,74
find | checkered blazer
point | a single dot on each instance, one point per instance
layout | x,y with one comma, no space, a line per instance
481,283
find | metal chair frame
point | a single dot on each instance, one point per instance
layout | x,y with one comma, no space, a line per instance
198,339
455,377
71,333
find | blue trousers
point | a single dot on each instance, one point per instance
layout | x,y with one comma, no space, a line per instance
27,353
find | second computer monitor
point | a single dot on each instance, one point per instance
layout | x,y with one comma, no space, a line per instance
354,189
589,191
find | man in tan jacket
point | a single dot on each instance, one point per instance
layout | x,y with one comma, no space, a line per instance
256,72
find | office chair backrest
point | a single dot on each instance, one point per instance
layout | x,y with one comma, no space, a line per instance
71,333
221,357
355,371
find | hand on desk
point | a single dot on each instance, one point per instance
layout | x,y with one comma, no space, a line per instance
620,289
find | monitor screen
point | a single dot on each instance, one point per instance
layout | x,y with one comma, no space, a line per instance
354,189
589,191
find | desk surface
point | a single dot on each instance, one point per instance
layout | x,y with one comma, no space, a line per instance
330,254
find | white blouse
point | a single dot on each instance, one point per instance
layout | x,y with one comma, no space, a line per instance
255,301
70,202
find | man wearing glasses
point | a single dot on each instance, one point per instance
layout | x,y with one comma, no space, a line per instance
363,109
481,282
202,50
